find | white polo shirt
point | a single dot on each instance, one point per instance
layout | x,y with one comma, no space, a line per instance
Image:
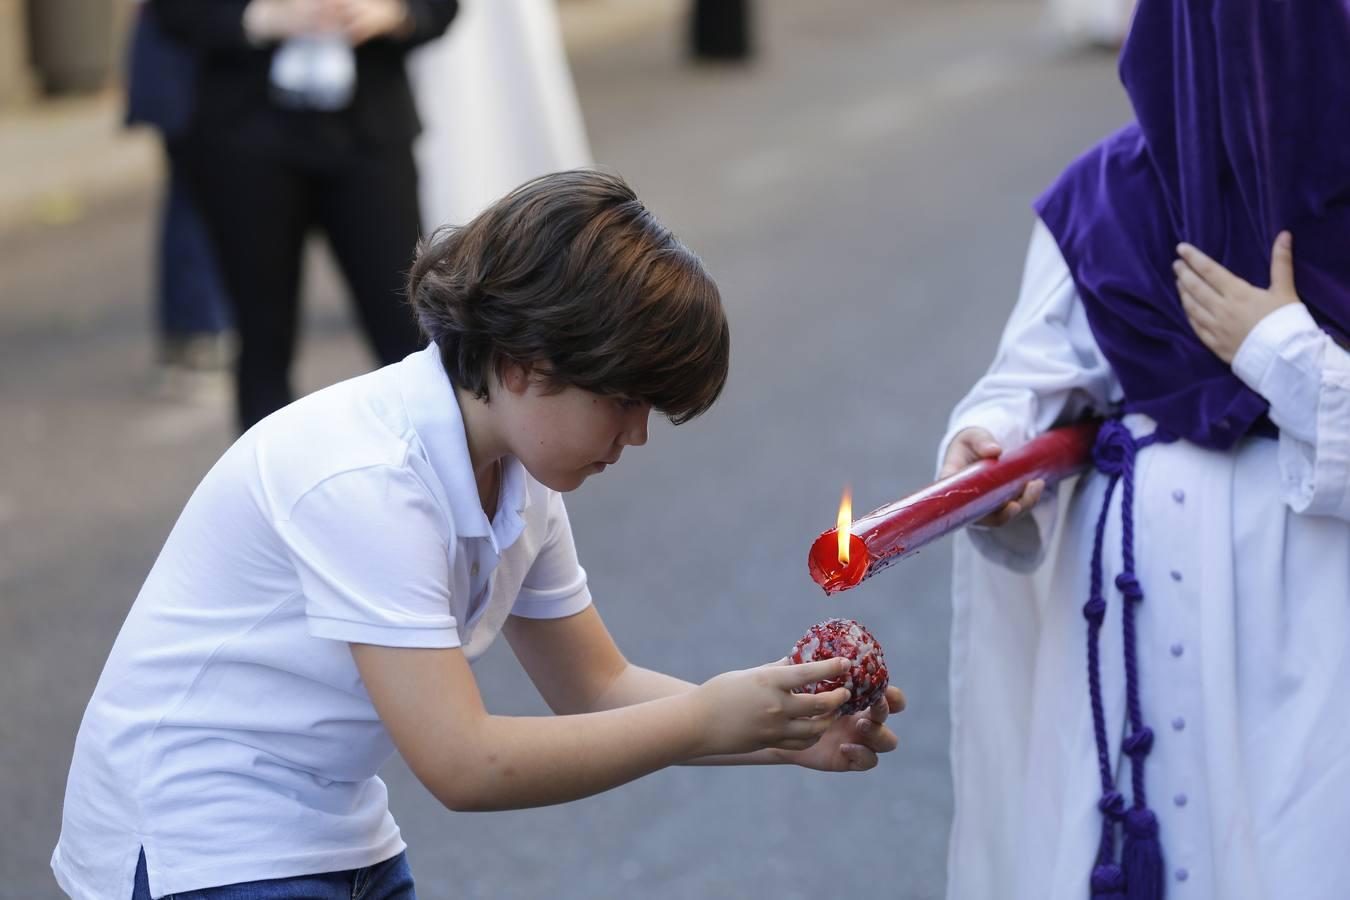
230,734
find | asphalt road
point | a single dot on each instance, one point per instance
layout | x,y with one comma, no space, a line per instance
862,194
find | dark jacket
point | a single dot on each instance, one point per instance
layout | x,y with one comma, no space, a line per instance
233,92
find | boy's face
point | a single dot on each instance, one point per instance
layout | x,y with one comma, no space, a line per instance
563,438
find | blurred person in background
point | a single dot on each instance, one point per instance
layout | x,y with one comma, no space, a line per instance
1097,23
500,75
191,311
1183,731
305,118
721,30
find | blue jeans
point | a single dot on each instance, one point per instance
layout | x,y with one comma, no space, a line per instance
161,87
389,880
192,295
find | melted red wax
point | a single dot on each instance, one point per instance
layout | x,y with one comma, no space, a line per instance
866,679
825,567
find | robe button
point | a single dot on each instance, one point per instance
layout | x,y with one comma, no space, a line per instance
1178,723
473,570
1179,799
1179,495
1177,650
1176,576
1182,874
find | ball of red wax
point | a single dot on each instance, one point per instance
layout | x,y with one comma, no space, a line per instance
866,678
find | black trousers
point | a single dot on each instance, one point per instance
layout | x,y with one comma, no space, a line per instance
259,207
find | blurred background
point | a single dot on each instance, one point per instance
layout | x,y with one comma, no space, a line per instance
858,176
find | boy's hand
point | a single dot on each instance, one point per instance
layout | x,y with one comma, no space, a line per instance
851,743
753,709
1221,307
969,447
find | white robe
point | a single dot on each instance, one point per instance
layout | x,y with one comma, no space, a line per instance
1243,635
497,105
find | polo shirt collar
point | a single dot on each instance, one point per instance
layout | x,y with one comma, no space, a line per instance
433,410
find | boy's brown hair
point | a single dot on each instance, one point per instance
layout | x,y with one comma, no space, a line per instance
571,274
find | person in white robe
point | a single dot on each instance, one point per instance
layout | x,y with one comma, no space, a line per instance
1244,638
1149,665
498,107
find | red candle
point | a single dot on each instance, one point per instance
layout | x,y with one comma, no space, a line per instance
896,530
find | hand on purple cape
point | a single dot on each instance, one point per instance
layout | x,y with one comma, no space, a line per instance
1223,308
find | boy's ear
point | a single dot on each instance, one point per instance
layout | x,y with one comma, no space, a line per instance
516,378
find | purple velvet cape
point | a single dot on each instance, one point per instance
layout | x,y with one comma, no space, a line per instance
1243,129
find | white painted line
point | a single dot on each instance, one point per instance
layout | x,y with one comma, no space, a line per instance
970,76
877,118
763,169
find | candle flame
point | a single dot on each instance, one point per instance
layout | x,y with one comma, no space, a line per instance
843,523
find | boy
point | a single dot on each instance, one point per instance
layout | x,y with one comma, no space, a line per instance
319,600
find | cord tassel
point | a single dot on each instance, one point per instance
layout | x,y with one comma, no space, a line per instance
1108,882
1139,876
1141,856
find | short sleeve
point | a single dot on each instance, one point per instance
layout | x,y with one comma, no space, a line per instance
555,586
371,548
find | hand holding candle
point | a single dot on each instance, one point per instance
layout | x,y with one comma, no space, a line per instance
971,445
867,676
859,733
892,532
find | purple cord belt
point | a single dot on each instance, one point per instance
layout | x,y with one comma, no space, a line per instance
1139,873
